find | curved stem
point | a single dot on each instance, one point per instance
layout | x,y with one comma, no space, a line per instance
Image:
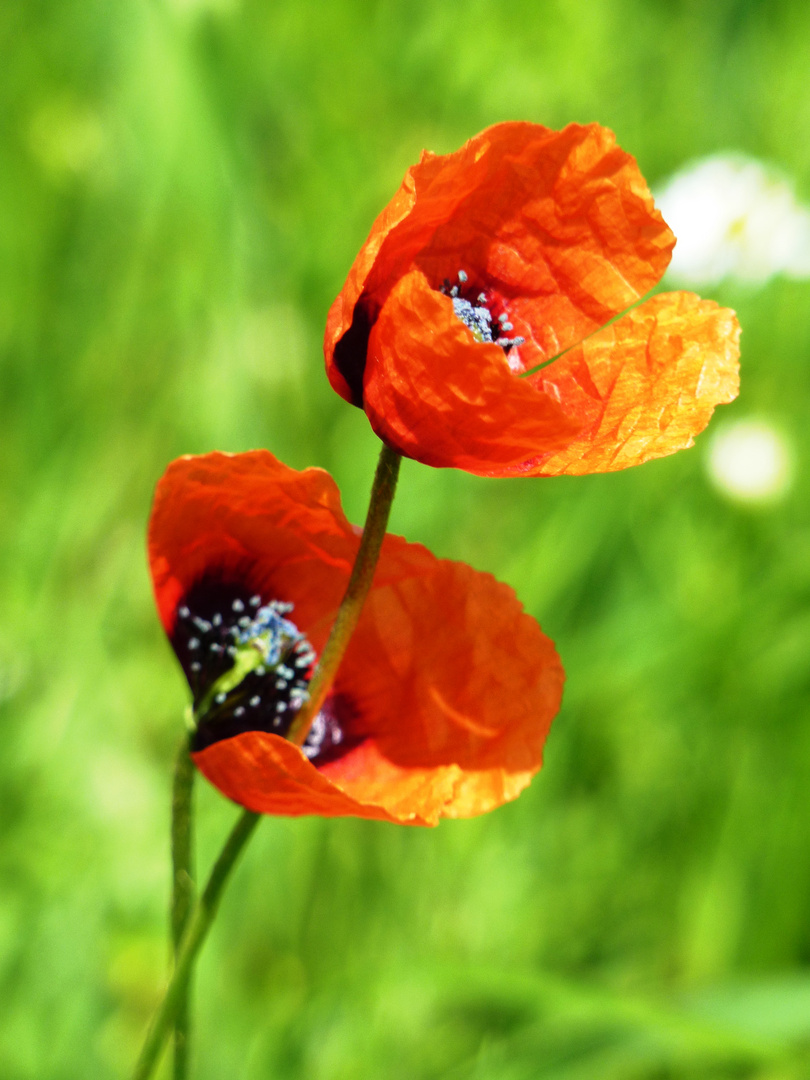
196,932
182,891
379,509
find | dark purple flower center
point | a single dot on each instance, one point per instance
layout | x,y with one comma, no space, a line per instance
249,666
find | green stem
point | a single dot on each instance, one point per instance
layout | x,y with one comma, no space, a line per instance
379,509
196,932
182,891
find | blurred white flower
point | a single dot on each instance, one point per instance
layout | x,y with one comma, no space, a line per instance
734,216
750,461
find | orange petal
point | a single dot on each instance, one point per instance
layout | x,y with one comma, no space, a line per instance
455,677
269,775
448,688
644,386
435,394
237,512
562,220
454,689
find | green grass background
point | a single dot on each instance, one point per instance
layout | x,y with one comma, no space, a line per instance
183,186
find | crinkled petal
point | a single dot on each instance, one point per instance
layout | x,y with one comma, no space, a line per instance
447,690
644,386
453,689
250,512
561,222
434,393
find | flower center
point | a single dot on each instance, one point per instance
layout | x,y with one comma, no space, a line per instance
248,666
478,313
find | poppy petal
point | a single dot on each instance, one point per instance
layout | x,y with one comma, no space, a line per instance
228,512
454,688
269,775
446,692
437,395
561,220
644,386
479,699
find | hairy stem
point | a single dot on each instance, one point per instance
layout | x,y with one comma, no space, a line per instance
182,891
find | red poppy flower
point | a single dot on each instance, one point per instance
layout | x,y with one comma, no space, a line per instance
445,695
473,325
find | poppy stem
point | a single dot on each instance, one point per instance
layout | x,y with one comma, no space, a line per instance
183,890
379,509
197,928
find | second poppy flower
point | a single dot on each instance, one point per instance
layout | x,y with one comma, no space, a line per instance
446,693
473,325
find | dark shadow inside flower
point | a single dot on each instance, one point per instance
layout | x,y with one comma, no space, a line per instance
223,621
351,350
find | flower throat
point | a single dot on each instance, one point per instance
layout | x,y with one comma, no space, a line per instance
478,314
248,666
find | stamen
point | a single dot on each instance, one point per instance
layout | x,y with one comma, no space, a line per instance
249,667
477,319
315,738
325,732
